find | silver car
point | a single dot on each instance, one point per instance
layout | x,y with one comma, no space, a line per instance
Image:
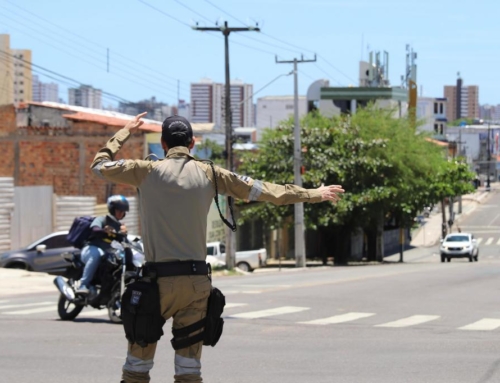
459,245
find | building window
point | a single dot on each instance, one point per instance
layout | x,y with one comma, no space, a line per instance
21,82
435,108
435,128
441,107
21,91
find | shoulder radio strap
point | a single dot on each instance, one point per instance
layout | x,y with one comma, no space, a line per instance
232,226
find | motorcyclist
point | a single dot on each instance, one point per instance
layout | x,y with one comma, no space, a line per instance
105,229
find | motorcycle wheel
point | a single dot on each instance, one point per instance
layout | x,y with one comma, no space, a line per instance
66,309
114,307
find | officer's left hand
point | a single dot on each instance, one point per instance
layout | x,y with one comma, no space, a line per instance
135,123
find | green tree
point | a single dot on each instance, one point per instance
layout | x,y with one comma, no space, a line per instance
387,171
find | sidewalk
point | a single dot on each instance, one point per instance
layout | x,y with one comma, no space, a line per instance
429,233
14,282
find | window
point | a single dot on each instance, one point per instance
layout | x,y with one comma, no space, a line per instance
436,128
435,108
21,91
211,250
441,106
222,248
21,82
56,242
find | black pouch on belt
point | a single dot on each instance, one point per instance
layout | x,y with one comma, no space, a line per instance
141,312
212,325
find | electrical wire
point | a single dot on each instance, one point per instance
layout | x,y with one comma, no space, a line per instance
93,44
60,75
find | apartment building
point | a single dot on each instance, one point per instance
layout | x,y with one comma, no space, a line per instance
208,103
271,110
462,101
86,96
45,91
15,73
433,112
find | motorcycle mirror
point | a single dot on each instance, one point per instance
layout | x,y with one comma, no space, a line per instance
41,248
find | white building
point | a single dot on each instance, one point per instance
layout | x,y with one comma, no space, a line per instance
45,91
433,112
86,96
271,110
207,103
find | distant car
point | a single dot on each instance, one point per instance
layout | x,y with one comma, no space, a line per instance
459,245
245,260
43,255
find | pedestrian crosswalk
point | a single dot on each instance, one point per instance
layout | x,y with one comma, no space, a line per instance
299,315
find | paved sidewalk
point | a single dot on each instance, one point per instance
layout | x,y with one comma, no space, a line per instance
14,282
429,233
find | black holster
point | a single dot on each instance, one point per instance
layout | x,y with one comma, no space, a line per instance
141,312
212,325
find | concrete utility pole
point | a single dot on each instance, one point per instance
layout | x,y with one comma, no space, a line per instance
300,250
230,239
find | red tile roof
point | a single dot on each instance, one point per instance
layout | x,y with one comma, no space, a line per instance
110,121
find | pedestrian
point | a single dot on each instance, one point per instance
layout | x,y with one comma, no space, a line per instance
175,197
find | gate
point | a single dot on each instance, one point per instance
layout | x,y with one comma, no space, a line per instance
6,212
32,218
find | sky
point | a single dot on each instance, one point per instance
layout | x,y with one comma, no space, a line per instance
153,51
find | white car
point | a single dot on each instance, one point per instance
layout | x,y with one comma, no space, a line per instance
459,245
245,260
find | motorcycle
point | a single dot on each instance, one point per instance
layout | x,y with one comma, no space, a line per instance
119,265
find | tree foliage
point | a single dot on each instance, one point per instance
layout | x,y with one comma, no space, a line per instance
386,169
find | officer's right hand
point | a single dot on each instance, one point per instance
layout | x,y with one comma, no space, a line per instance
330,193
135,123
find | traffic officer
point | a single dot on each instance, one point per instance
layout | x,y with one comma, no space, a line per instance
175,197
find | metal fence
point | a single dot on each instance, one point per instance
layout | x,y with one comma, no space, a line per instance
68,207
6,211
131,219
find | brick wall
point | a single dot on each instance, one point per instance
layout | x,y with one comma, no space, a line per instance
61,157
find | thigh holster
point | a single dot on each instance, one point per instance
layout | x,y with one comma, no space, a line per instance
211,325
141,312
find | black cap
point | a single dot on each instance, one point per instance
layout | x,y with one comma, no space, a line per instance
176,128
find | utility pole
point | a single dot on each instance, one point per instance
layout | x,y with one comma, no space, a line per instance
230,239
489,160
300,250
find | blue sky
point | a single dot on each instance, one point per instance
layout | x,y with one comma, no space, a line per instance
152,49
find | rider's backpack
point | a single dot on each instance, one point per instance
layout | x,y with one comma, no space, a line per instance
80,231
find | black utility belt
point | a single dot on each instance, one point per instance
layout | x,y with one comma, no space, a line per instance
171,269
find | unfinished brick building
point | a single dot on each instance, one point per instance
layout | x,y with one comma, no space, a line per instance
54,144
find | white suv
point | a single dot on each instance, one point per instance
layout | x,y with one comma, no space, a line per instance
459,245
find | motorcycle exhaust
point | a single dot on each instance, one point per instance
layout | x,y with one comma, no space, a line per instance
64,288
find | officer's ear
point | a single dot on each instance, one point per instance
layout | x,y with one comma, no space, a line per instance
164,145
191,145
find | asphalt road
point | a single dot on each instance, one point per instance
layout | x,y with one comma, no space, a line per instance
420,321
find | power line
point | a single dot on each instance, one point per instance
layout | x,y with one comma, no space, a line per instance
60,75
92,43
93,64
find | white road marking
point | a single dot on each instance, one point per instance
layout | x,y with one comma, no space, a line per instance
479,240
339,318
5,301
486,324
489,241
94,313
231,305
32,311
410,321
242,292
26,305
498,242
270,312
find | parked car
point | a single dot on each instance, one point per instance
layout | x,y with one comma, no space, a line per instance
245,260
459,245
43,255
